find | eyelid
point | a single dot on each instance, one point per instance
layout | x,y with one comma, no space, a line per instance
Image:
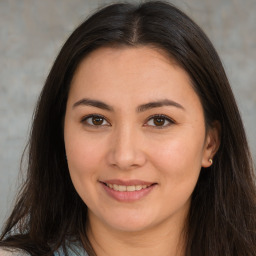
167,118
170,120
84,118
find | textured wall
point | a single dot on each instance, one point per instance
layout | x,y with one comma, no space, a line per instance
32,32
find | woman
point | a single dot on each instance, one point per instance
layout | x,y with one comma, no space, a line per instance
137,146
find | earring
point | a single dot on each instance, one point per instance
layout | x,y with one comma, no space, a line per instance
210,160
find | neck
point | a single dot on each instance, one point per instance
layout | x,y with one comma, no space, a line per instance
163,239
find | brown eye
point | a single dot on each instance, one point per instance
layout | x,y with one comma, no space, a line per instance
159,121
95,120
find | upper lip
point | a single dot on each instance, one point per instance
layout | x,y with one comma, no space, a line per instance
127,182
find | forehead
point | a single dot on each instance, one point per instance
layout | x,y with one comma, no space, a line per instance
129,73
143,61
128,53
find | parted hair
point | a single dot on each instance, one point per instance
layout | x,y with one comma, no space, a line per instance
49,213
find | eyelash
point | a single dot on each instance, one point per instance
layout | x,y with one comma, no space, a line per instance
163,117
86,118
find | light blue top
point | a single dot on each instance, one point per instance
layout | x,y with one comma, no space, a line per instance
78,251
17,252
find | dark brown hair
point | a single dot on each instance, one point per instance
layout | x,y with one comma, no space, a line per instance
49,213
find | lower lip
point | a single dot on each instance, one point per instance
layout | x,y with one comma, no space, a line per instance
128,196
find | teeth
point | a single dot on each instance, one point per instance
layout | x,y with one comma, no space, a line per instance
123,188
130,188
115,187
138,187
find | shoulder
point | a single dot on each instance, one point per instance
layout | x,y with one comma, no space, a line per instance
73,251
12,252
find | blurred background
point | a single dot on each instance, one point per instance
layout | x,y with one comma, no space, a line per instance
32,32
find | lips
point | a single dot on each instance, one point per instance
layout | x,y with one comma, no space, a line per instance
123,188
127,191
127,182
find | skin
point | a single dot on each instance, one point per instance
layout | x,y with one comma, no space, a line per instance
132,145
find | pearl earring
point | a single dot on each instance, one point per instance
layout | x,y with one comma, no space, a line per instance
210,160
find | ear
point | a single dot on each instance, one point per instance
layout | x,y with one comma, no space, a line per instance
212,143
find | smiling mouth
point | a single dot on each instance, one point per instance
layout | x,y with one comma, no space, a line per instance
129,188
123,188
127,191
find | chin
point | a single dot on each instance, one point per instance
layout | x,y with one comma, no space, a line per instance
130,223
130,227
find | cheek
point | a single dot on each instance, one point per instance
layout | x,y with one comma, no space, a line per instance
179,161
82,153
178,152
179,166
84,159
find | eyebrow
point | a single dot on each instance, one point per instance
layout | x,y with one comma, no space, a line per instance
157,104
93,103
141,108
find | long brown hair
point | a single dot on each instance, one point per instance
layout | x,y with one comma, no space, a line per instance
49,213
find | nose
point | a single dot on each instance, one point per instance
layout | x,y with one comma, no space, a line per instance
126,149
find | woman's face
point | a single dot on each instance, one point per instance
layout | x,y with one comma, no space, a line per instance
135,138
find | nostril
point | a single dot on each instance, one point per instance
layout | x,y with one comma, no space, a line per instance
126,158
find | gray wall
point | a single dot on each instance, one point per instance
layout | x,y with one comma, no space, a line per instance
32,32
